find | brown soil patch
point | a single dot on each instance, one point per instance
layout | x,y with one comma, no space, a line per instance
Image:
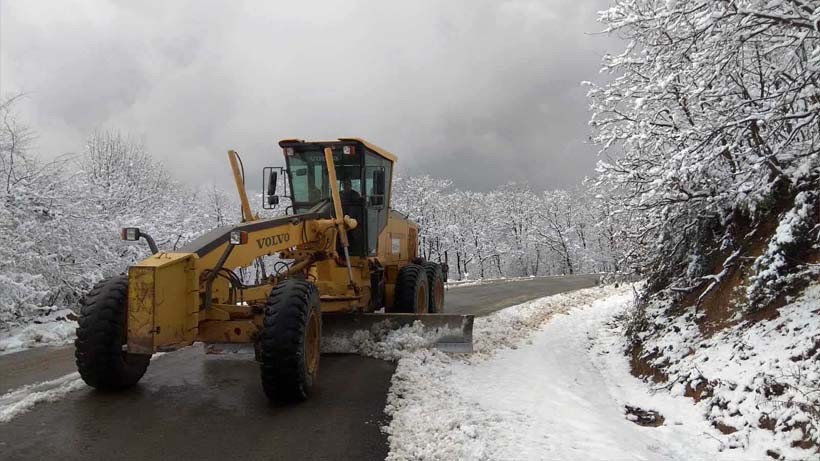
703,390
725,428
766,423
641,368
774,454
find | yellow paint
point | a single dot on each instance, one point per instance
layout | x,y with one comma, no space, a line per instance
162,302
247,214
228,331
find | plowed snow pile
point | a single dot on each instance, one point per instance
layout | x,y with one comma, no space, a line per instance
549,380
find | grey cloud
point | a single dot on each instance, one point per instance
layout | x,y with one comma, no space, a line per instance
479,91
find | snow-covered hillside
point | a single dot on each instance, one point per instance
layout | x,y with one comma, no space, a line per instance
550,380
757,379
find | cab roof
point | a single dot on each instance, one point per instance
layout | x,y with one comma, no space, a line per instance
378,150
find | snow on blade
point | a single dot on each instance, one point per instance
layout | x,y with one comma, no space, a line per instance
384,342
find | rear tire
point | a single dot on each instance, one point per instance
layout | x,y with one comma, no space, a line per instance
412,290
435,283
290,340
101,334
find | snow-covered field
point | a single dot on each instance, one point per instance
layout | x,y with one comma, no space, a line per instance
549,380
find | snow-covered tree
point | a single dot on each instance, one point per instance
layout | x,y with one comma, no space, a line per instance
711,120
60,221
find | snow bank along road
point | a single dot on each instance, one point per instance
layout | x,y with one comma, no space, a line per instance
192,406
548,381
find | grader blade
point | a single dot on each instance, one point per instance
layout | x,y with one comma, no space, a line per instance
447,332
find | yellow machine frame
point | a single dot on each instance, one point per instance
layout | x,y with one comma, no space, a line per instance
177,298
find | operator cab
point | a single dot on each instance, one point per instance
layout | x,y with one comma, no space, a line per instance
363,176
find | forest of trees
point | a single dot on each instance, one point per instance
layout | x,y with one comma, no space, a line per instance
59,220
514,230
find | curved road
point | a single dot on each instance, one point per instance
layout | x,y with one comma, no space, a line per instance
193,406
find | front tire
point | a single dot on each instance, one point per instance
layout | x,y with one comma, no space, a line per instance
412,290
290,340
101,361
435,282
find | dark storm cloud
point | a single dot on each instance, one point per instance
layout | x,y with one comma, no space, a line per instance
481,91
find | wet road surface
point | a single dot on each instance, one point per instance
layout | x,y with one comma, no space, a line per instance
490,297
193,406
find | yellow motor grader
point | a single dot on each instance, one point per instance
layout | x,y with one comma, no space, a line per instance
348,262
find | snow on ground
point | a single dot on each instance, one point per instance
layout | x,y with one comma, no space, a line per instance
752,374
55,329
549,380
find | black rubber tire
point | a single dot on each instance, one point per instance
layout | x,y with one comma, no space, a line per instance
100,336
283,341
411,280
435,279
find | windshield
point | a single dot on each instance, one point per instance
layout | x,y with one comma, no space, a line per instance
309,179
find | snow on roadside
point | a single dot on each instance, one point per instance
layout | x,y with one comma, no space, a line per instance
540,386
22,399
484,281
56,329
475,282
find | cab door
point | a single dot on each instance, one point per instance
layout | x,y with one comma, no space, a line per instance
377,171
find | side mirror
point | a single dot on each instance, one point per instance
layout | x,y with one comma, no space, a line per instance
269,183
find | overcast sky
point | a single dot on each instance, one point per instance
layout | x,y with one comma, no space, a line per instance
482,92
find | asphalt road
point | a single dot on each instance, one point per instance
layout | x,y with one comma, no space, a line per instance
490,297
193,406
